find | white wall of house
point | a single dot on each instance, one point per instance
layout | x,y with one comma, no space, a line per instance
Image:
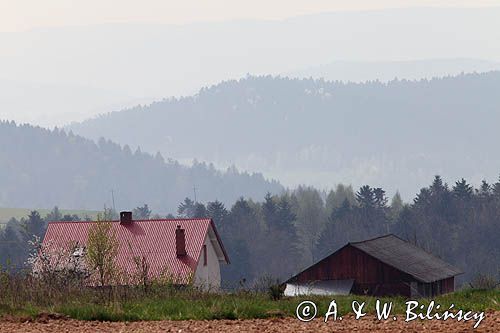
208,276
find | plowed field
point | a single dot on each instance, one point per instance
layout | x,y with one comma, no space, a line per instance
53,324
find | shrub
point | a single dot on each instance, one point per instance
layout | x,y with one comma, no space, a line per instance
277,291
483,281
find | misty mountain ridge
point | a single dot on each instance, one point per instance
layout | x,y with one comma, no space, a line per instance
82,100
363,71
137,62
43,168
397,134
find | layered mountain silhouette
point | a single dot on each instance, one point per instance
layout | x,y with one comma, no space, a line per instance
81,70
397,134
40,168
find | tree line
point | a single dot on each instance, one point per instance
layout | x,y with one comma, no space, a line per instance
286,233
283,234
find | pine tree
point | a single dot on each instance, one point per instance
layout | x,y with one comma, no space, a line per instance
142,212
13,249
200,211
438,187
33,226
269,211
186,208
485,191
218,213
366,197
462,190
379,198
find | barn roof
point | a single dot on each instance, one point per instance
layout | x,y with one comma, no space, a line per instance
408,258
152,239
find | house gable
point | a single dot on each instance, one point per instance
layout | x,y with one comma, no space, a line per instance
153,240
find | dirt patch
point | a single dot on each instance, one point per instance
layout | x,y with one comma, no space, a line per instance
40,318
490,324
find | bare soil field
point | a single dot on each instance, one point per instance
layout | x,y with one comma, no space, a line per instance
51,324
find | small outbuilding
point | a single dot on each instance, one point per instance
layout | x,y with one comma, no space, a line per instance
382,266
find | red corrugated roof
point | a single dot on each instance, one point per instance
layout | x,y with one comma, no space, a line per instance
151,239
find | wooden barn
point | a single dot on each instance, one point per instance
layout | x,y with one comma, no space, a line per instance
381,266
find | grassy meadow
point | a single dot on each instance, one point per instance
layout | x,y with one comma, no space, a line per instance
242,305
7,213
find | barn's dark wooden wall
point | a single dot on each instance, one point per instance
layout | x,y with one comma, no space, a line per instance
371,276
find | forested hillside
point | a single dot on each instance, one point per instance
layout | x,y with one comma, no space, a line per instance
42,168
397,134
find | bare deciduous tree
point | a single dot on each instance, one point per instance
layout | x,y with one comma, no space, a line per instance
102,249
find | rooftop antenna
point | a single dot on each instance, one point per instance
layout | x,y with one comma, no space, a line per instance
113,199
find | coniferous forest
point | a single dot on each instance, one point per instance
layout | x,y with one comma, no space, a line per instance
279,235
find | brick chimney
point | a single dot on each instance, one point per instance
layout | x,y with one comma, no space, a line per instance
180,242
125,218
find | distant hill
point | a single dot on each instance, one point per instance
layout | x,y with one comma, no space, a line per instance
42,168
396,135
79,71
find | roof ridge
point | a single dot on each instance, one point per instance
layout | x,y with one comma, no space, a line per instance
148,220
419,248
442,262
372,239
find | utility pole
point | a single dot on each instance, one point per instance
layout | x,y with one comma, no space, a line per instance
194,190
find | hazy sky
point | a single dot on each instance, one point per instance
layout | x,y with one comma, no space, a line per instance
18,15
55,76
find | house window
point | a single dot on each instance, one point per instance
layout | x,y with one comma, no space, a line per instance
204,255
